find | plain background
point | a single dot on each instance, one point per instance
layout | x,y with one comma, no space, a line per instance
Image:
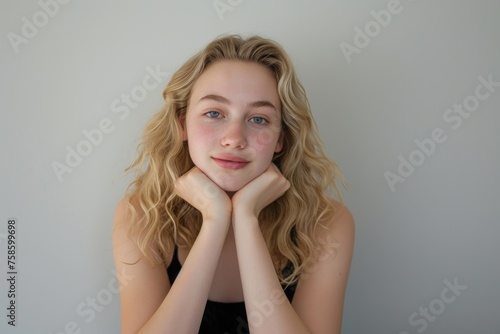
440,224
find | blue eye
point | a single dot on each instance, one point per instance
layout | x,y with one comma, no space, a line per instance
259,120
213,114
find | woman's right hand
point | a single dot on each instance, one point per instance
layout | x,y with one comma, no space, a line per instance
196,188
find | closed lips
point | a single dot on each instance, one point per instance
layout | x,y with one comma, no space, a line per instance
229,158
230,162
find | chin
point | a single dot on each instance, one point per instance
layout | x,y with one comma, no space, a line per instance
230,183
230,187
227,182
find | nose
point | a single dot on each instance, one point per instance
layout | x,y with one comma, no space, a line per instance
234,136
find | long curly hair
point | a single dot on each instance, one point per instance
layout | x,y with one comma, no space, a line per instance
166,220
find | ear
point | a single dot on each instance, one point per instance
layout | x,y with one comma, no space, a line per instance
182,123
280,143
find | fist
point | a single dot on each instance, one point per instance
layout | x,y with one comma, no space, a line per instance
260,192
196,188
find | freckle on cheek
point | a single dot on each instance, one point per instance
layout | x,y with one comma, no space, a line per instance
262,142
203,134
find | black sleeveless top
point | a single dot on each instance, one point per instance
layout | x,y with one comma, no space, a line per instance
224,318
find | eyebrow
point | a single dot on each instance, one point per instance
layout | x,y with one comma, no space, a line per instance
222,99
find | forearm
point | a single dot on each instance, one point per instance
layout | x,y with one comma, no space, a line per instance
183,307
267,306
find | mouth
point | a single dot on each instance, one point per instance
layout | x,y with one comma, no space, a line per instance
228,162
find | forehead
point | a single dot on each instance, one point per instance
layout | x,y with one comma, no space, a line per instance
238,81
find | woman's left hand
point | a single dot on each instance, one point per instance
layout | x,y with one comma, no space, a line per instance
260,192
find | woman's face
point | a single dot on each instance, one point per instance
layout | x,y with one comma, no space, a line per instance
233,122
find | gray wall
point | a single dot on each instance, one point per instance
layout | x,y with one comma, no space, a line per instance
400,100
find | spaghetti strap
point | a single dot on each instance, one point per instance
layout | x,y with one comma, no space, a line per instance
220,317
175,266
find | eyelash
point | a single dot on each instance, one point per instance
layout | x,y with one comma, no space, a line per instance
211,113
265,121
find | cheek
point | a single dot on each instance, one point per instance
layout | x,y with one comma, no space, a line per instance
200,136
264,142
199,141
263,151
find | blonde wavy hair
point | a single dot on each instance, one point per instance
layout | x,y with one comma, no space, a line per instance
167,220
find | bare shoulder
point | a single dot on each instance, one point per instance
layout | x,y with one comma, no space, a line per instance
123,246
123,215
125,249
319,297
340,226
142,285
335,237
123,222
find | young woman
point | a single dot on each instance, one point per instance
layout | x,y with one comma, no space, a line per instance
230,225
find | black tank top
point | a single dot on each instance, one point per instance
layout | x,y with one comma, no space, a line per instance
224,318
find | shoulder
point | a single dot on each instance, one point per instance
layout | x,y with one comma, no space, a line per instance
338,226
127,214
124,217
146,285
320,293
123,212
123,244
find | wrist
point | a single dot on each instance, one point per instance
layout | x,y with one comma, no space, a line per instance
217,225
245,216
219,212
